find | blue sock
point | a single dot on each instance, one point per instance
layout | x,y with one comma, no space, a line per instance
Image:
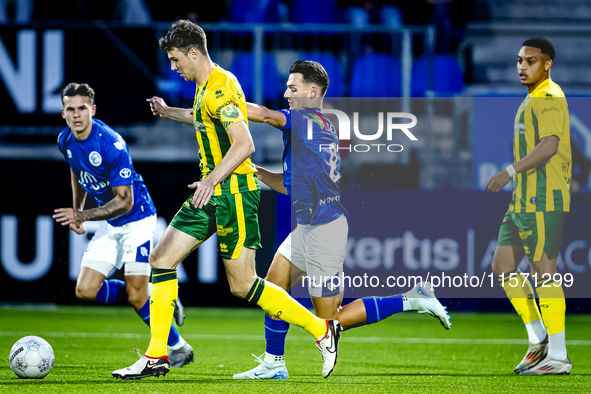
112,290
377,308
275,333
144,312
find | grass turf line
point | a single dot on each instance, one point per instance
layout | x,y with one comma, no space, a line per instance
85,359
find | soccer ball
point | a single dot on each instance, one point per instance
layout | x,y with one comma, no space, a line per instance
31,357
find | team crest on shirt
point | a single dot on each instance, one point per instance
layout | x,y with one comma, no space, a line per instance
95,158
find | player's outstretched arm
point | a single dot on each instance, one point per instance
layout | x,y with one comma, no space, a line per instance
159,108
542,152
240,150
262,114
272,179
119,205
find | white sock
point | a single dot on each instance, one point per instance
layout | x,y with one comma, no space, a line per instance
536,332
272,358
557,346
179,344
406,303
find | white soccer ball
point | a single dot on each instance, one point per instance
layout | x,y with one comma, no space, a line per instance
31,357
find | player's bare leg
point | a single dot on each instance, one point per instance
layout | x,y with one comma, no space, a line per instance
88,284
506,261
553,307
137,290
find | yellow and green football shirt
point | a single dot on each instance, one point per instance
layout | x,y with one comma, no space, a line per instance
219,104
546,188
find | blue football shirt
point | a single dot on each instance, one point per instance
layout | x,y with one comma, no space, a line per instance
102,161
312,165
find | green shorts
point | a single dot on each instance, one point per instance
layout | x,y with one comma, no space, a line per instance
536,232
233,216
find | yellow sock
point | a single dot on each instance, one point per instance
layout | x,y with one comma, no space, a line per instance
553,306
162,302
276,302
521,295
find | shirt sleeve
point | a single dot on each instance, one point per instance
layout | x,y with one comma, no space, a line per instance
223,105
287,128
549,114
120,168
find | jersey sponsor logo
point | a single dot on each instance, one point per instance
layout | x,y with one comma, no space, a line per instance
119,145
95,158
222,232
219,94
89,181
125,173
69,153
328,200
200,126
224,248
549,109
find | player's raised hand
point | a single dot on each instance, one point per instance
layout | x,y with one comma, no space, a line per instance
157,104
203,192
67,216
77,228
498,181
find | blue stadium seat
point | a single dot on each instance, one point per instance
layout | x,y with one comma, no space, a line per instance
175,86
315,11
243,68
256,11
447,78
333,69
376,75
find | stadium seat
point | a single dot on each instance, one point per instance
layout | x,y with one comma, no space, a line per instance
376,75
447,77
175,86
391,16
256,11
315,11
333,69
243,68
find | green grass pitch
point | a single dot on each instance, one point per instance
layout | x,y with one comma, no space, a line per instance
407,353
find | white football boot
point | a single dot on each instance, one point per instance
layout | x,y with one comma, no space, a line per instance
329,345
422,298
549,366
143,368
265,370
535,353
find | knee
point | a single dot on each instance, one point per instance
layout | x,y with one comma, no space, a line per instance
136,299
155,261
86,293
239,290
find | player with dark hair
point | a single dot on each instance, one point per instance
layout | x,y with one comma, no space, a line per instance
316,248
533,224
100,165
225,201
